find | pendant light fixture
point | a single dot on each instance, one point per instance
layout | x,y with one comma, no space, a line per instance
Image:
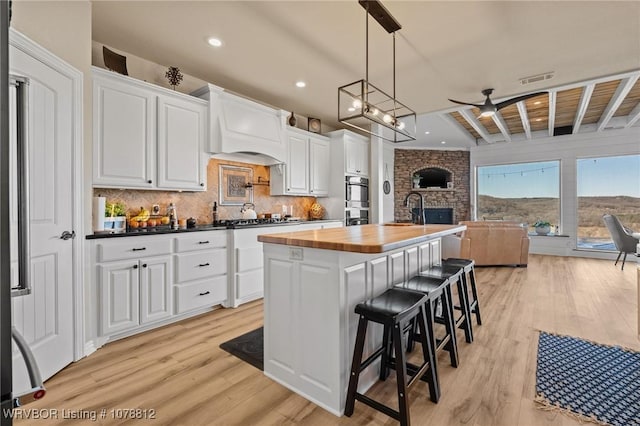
363,106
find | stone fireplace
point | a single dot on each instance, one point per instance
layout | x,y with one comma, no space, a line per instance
442,177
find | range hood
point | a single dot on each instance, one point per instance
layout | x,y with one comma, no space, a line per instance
241,129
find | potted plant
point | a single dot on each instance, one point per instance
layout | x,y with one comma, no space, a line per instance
416,180
542,227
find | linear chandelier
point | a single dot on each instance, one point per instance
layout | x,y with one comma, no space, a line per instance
362,105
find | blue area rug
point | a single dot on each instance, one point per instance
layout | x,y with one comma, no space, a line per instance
593,382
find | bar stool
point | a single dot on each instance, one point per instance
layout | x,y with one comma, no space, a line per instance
469,270
394,309
436,289
453,272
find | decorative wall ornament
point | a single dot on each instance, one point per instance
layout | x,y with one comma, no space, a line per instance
233,189
174,76
114,61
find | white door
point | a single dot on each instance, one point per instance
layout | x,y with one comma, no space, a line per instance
45,316
119,296
155,289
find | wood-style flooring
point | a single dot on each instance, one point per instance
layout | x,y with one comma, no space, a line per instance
180,372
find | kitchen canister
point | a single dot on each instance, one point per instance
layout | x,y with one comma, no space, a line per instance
99,204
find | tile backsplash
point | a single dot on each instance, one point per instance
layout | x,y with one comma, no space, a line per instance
199,204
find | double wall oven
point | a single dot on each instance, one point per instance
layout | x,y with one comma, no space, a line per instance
357,200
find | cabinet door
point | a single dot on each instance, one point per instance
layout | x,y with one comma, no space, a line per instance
319,166
356,156
182,128
297,166
119,294
124,125
155,289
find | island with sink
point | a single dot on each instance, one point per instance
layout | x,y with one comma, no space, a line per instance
312,283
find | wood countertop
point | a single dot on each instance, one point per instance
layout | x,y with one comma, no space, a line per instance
363,238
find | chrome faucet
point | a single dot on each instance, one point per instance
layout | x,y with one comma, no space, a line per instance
421,211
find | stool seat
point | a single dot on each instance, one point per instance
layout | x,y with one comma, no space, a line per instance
391,306
463,263
422,284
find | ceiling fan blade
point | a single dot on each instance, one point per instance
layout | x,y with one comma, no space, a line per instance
517,99
465,103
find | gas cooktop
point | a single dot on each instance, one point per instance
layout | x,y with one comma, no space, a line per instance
245,223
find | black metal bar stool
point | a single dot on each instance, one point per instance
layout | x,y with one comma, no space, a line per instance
436,289
469,270
394,309
453,272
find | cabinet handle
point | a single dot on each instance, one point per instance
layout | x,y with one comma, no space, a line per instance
135,266
203,264
149,181
204,293
203,242
139,249
144,265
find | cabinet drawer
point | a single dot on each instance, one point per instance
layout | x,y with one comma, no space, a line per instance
197,295
201,241
133,248
197,265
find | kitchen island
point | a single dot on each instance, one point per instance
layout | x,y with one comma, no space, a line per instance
312,283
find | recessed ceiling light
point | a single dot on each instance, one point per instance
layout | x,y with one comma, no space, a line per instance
537,102
427,132
443,142
538,119
351,109
301,84
215,42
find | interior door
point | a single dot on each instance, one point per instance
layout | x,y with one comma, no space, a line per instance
44,317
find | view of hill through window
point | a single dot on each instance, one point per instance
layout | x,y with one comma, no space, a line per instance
528,192
523,192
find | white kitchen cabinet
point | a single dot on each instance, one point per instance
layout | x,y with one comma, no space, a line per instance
319,167
134,292
124,129
307,168
145,136
356,156
181,139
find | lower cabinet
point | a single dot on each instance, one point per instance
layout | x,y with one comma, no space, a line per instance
133,293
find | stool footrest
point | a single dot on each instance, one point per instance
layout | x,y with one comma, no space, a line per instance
378,406
364,364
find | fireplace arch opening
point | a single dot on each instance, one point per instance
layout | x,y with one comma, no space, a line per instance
432,177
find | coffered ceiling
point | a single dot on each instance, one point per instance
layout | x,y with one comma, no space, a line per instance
447,49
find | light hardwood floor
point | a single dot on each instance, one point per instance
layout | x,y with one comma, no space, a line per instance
181,373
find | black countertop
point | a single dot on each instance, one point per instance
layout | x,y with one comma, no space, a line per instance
157,230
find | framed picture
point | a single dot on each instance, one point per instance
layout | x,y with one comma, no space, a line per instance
233,189
314,125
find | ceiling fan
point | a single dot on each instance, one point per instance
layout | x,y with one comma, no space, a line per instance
489,108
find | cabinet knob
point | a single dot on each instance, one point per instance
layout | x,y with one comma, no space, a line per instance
135,266
149,181
204,293
202,184
144,265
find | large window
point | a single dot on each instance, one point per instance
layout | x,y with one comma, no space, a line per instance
523,192
607,185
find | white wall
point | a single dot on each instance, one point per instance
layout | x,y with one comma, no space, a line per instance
567,149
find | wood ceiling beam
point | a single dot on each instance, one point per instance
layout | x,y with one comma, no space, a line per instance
477,126
585,98
453,122
524,117
621,92
502,125
633,116
552,111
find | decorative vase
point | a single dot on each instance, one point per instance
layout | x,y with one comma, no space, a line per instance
542,230
292,120
416,183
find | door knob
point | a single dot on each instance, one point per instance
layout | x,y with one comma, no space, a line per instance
66,235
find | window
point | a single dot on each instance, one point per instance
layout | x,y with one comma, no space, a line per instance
607,185
523,192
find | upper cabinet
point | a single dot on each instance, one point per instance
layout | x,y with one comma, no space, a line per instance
306,170
352,150
356,152
240,125
146,136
